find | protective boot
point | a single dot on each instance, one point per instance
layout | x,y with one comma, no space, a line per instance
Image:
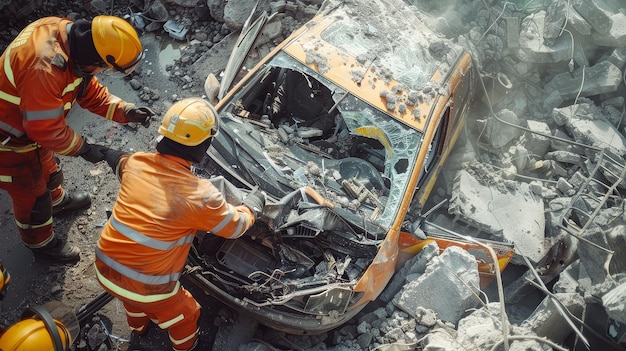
71,202
58,251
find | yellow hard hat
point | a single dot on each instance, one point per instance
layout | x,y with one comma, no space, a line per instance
4,279
190,122
32,334
117,43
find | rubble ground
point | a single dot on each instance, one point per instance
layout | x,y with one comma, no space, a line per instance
541,166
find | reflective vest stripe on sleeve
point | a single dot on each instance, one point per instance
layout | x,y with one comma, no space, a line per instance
242,224
9,73
225,221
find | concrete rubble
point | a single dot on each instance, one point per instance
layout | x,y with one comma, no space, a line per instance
546,174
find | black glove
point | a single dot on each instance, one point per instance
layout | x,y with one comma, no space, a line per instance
113,157
93,152
255,201
138,114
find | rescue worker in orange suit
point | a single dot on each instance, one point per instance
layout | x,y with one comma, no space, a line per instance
160,205
48,67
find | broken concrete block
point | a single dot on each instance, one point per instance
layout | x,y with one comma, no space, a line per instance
577,22
447,287
613,302
546,321
415,265
600,78
533,46
616,239
512,32
520,157
482,329
498,134
589,125
596,14
553,100
615,35
565,187
568,279
516,215
598,133
617,57
593,258
440,340
537,144
554,19
565,144
565,157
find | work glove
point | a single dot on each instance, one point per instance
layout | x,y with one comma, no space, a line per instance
138,114
93,152
113,158
255,201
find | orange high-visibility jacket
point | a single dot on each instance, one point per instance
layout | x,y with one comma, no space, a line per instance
160,206
38,88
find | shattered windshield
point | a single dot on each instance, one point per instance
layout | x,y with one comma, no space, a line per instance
406,58
400,144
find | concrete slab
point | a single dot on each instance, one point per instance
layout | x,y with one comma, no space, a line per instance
546,321
448,286
534,47
587,124
513,214
603,77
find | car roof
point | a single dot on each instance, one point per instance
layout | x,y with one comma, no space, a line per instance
380,53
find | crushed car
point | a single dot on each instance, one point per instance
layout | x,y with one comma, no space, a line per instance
345,126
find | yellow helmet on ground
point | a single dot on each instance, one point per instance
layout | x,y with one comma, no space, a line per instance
52,326
190,122
5,277
117,43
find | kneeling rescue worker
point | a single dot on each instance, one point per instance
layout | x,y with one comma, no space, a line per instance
160,205
47,68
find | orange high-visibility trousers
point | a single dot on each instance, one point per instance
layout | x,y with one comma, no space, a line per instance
178,315
33,180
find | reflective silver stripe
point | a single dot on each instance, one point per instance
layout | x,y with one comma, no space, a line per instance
135,314
6,179
111,111
133,295
184,340
10,98
172,321
146,240
13,131
43,115
225,221
72,86
72,145
33,226
239,230
9,73
133,274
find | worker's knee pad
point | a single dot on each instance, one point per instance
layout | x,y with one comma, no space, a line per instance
56,179
42,209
